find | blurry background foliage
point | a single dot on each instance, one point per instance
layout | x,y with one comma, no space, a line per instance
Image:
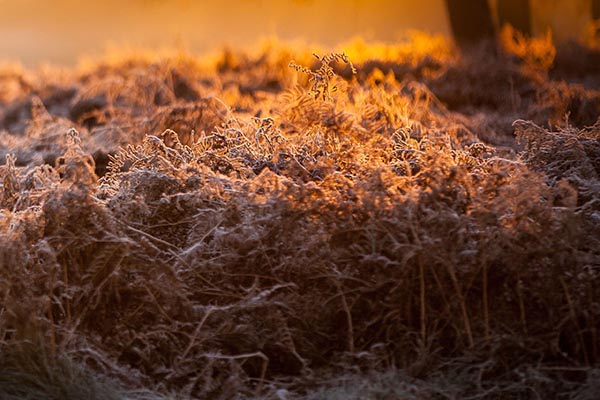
61,31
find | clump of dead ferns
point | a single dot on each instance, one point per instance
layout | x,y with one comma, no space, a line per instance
289,240
321,78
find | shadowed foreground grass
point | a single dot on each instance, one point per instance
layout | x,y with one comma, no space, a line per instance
393,222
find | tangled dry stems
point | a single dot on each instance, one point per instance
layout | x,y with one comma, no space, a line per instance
246,233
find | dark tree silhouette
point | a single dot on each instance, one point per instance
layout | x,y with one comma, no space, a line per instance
516,13
596,9
470,21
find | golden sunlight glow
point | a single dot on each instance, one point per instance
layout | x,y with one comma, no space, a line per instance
62,30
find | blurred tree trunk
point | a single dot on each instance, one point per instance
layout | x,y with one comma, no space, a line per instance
516,13
596,9
470,21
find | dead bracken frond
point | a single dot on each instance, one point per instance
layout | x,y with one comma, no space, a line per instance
321,78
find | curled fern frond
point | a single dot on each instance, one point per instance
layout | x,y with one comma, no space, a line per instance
321,78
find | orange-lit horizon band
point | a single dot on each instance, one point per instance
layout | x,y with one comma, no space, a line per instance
35,31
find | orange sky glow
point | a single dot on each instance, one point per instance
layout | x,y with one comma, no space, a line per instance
62,31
